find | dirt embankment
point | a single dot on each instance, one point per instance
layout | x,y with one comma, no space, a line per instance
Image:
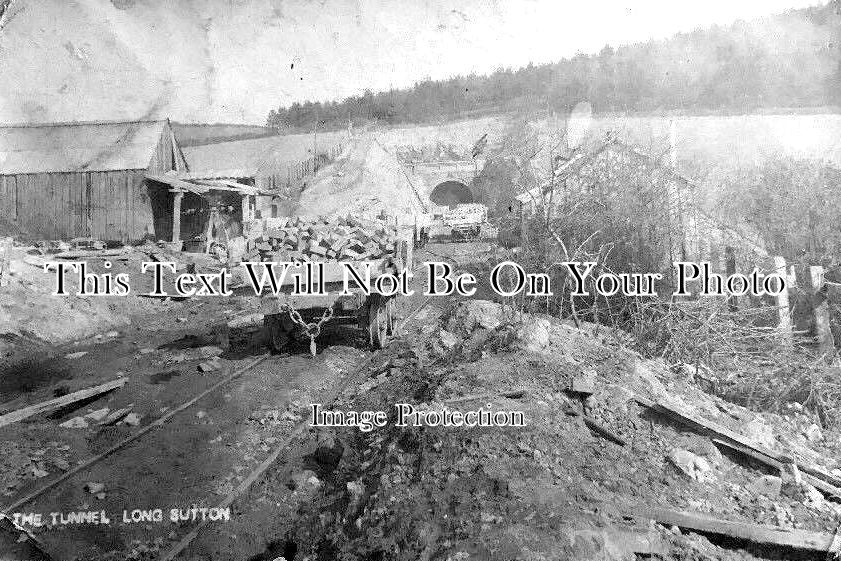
365,180
31,310
557,488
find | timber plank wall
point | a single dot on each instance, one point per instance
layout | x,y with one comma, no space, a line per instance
107,205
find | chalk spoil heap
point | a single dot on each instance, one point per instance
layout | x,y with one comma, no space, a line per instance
320,238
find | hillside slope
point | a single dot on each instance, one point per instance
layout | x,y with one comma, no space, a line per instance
788,60
366,179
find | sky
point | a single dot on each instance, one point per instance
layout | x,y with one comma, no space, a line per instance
233,60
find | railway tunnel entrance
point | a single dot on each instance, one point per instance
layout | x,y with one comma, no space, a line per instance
451,193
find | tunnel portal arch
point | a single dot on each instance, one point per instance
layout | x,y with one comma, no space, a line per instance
451,193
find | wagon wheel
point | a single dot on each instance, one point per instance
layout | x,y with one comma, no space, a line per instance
278,331
378,325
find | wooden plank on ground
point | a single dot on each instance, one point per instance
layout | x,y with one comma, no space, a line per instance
815,482
59,402
767,535
713,429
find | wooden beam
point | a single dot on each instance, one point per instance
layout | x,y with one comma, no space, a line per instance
176,216
826,341
222,183
59,402
782,302
764,459
175,151
177,184
246,211
82,254
766,535
713,429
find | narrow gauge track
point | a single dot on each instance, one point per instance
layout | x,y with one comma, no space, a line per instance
352,375
126,441
298,429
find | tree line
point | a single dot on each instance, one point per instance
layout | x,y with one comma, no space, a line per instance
789,60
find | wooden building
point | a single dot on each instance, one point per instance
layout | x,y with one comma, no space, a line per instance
637,203
207,208
70,180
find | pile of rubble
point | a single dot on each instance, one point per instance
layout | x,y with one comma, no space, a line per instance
304,238
621,456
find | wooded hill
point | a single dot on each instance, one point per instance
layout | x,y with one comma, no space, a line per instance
788,60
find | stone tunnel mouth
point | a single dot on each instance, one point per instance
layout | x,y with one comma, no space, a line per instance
451,193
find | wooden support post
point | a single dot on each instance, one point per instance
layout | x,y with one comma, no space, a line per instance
246,211
791,278
783,308
176,215
826,342
5,260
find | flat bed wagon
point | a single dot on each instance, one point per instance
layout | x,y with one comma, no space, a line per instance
288,316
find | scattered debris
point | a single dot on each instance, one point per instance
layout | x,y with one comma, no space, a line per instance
209,366
250,320
534,336
75,423
813,433
93,487
98,414
132,420
693,466
209,351
472,314
116,415
797,539
817,477
74,356
448,340
768,485
584,383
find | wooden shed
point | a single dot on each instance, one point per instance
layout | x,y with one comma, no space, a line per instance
70,180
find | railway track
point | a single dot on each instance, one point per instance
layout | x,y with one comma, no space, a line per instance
125,442
353,375
298,429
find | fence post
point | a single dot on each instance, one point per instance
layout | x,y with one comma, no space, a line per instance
730,269
782,301
826,342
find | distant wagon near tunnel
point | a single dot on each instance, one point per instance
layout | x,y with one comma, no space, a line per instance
451,193
69,180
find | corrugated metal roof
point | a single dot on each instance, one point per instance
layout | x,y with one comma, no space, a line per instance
99,146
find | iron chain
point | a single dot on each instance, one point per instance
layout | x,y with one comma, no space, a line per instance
312,329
